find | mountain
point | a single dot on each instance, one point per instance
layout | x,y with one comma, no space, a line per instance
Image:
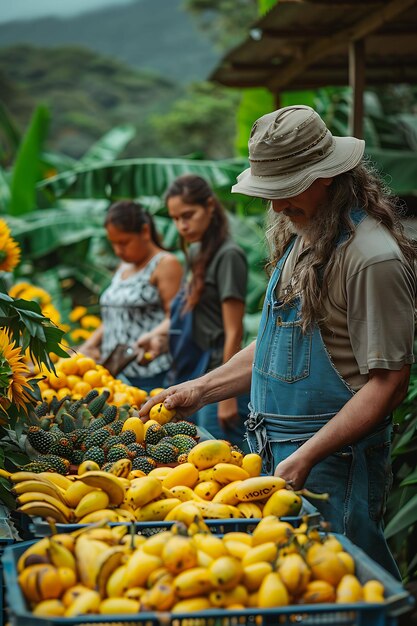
157,35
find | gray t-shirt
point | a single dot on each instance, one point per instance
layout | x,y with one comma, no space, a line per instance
370,304
226,277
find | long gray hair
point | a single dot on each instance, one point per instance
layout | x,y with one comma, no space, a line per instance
360,187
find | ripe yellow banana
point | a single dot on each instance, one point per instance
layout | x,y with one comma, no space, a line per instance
109,483
225,473
39,486
87,602
227,494
258,488
214,510
193,582
185,512
76,491
156,511
107,562
93,501
139,566
183,493
88,552
57,479
45,510
250,510
102,515
60,556
118,606
37,553
143,490
34,496
121,468
185,474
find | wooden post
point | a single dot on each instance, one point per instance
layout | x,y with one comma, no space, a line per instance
277,99
357,84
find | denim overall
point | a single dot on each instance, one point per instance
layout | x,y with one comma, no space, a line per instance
296,390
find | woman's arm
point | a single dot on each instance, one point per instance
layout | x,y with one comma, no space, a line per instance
383,392
232,313
92,347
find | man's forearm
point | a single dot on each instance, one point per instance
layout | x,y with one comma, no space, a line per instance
231,379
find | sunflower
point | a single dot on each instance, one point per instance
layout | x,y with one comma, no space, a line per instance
14,387
90,322
9,249
77,313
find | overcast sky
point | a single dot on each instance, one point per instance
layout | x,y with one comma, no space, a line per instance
29,9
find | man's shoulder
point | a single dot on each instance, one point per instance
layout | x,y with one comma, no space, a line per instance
372,243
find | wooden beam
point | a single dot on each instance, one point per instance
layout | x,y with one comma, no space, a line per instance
327,45
357,84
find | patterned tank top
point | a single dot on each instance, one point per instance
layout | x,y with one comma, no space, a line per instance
131,307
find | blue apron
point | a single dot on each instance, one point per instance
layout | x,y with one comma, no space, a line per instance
189,360
295,390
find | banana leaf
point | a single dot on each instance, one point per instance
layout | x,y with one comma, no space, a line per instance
108,148
133,178
27,167
4,192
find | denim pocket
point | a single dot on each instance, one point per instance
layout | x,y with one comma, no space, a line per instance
378,461
290,351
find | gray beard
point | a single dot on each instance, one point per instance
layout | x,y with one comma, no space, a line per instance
315,228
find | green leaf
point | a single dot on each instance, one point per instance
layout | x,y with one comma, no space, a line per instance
410,480
5,495
405,518
26,171
110,146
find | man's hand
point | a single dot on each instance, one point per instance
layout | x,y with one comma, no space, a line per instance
153,345
293,470
92,351
185,398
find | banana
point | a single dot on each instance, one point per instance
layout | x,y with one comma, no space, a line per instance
294,573
265,552
258,488
35,496
272,529
121,468
18,477
75,492
41,582
210,544
235,512
60,556
37,553
4,473
160,472
118,606
93,501
272,592
49,608
58,479
227,494
102,515
250,510
115,582
41,487
243,537
107,562
252,463
156,511
125,514
87,602
160,597
225,599
185,494
208,453
143,490
199,603
207,489
185,474
139,566
254,574
238,549
72,593
214,510
205,475
225,473
88,552
193,582
109,483
185,512
45,510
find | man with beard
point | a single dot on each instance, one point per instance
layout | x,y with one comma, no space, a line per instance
335,343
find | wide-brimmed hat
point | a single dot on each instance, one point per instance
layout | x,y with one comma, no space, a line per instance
289,149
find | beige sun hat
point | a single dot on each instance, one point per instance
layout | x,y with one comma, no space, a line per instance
289,149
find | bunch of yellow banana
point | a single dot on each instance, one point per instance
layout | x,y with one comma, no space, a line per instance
107,571
92,496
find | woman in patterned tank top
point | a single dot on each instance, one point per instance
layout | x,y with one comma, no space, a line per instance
140,293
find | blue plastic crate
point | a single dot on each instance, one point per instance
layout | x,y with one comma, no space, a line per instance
398,601
6,538
40,528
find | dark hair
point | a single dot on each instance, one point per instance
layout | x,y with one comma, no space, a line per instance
130,217
195,190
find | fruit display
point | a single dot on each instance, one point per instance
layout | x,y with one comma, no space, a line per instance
187,569
227,489
79,374
71,431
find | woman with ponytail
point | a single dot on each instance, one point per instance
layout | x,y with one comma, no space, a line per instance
206,324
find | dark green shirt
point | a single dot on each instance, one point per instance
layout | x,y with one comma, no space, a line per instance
226,277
